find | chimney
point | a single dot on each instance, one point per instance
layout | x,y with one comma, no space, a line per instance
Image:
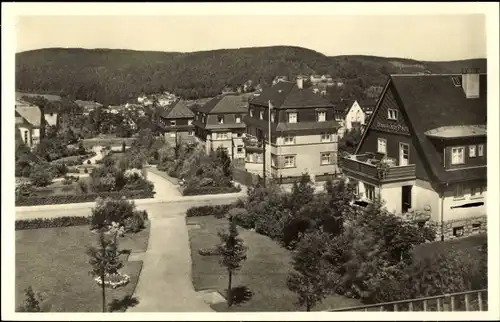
300,82
470,84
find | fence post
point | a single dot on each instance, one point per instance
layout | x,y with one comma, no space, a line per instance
480,300
425,305
452,302
439,307
466,297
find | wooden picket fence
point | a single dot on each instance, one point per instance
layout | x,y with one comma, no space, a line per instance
464,301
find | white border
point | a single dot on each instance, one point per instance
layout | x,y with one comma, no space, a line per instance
11,10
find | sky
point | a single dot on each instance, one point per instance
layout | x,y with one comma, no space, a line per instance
435,37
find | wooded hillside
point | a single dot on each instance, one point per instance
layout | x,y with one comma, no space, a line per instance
117,76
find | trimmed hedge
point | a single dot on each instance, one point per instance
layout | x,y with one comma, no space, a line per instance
67,221
217,211
89,197
192,191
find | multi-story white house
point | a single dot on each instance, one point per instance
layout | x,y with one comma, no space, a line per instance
29,118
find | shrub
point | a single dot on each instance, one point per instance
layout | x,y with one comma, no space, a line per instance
73,170
242,218
89,162
110,210
85,170
214,251
41,176
134,223
24,190
218,211
59,169
67,221
89,197
193,191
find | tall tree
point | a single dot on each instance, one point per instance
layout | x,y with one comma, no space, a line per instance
105,261
312,276
233,253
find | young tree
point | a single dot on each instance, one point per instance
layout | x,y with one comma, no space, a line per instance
105,261
232,252
312,276
32,301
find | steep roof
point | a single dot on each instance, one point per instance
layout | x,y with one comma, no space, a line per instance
343,106
225,104
431,102
288,95
31,113
177,110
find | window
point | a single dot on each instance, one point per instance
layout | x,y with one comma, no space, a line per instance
458,192
392,114
338,117
221,135
273,115
321,116
26,137
289,161
456,81
190,133
238,119
172,134
382,146
292,117
220,119
239,134
251,113
480,150
457,155
172,123
261,115
239,149
370,192
289,139
326,137
190,122
472,151
326,158
476,228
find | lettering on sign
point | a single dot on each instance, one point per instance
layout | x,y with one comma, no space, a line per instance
393,127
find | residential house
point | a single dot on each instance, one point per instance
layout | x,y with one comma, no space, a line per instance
350,115
278,79
88,106
297,131
176,121
326,78
424,151
29,118
319,88
141,98
219,123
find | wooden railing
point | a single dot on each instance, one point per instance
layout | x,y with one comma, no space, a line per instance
393,173
464,301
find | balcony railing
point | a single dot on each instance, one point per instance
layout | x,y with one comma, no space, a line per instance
464,301
366,165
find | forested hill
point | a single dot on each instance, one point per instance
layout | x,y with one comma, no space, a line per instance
116,76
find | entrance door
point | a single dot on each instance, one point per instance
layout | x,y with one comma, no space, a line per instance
404,154
405,198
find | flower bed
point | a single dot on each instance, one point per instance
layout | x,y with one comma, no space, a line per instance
67,221
89,197
114,280
194,191
217,211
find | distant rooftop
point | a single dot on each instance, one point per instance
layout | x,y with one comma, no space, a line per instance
459,131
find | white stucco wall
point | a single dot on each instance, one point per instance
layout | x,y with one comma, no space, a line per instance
51,119
355,114
423,194
450,201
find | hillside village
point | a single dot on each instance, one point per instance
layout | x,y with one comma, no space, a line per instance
381,182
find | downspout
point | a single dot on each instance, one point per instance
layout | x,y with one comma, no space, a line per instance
442,211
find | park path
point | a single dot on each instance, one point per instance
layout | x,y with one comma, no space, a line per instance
165,282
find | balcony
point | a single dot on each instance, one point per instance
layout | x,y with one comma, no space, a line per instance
252,144
369,166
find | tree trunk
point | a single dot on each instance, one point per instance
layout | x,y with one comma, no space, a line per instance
229,295
103,287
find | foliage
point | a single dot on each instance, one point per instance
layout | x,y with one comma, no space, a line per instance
32,302
104,260
350,141
120,211
24,190
214,251
41,176
125,74
217,211
311,277
195,191
37,223
89,197
232,251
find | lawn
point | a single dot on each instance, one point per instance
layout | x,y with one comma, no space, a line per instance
58,188
53,262
264,272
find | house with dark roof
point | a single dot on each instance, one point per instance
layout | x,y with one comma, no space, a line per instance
219,123
291,131
175,121
424,151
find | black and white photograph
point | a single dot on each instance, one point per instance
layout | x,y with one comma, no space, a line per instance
292,160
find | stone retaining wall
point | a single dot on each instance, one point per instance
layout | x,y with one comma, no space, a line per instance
462,227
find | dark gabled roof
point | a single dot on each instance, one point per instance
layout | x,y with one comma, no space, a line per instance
225,104
433,101
288,95
177,110
343,106
367,104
